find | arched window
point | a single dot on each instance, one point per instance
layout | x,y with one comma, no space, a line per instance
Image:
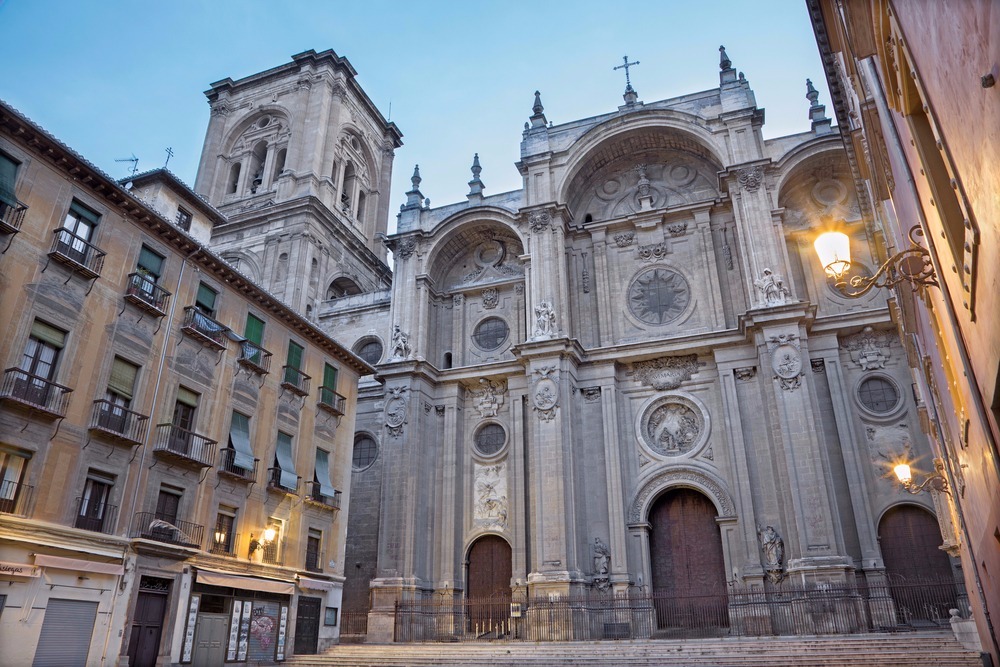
342,286
350,176
257,159
234,179
279,164
361,206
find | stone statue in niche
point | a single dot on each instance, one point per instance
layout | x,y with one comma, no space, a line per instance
772,289
602,565
773,549
545,320
400,343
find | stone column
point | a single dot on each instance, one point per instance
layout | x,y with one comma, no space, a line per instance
602,285
549,282
614,465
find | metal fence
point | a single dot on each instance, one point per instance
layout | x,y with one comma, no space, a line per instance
772,611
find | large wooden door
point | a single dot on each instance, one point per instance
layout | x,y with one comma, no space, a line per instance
307,626
147,626
210,636
489,585
918,570
688,567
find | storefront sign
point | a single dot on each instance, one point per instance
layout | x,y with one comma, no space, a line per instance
244,633
19,570
234,630
192,621
282,626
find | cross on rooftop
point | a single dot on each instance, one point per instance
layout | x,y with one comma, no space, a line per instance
626,64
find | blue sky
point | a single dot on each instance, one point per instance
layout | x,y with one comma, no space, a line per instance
112,78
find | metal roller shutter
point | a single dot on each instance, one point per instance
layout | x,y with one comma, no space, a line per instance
66,633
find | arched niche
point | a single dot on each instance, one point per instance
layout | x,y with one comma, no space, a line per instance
681,477
342,286
477,253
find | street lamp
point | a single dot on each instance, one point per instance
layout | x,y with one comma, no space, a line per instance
912,265
936,481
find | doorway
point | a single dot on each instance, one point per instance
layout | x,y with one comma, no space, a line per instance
147,626
488,589
307,626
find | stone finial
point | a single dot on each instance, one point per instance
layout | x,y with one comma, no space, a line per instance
817,112
538,117
414,198
476,184
812,94
724,61
415,179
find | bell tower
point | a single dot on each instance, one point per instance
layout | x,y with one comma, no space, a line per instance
299,160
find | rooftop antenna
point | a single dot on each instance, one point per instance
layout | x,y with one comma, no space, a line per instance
134,160
388,118
170,154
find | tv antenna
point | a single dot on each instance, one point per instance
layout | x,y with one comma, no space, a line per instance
134,160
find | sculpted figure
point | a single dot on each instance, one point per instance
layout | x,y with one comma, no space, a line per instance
545,320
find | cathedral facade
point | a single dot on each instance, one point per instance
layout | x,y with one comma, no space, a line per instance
630,374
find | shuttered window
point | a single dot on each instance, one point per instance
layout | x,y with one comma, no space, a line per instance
294,355
330,377
206,299
187,397
283,457
239,439
150,263
254,330
8,178
48,333
122,380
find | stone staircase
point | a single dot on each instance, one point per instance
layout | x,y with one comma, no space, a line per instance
923,649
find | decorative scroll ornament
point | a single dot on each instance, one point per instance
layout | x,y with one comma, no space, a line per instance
677,228
773,549
602,565
665,372
545,395
869,349
591,394
745,374
624,239
395,411
653,251
488,399
490,510
405,248
749,178
786,361
539,220
491,298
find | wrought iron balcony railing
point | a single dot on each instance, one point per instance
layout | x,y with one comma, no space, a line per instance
254,357
228,467
331,401
143,291
35,392
207,331
11,217
295,380
98,517
174,442
163,528
274,481
118,422
15,497
315,495
222,544
76,252
274,552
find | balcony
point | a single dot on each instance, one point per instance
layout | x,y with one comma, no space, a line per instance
143,291
314,560
255,358
15,498
295,380
118,423
204,329
273,553
274,482
184,446
96,517
224,545
11,217
34,392
228,467
331,401
315,497
162,528
76,253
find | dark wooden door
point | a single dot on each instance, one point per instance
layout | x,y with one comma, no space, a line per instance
489,584
688,568
918,570
147,627
307,626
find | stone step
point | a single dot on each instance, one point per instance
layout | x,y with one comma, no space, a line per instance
912,650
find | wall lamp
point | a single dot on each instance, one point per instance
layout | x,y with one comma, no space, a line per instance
912,265
935,481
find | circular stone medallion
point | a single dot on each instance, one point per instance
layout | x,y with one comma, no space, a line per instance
786,362
658,296
673,426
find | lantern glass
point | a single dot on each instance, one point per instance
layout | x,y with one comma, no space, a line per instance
834,250
903,473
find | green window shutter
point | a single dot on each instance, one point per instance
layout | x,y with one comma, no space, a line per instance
254,330
8,178
294,355
48,333
206,297
330,377
150,262
122,380
187,397
83,212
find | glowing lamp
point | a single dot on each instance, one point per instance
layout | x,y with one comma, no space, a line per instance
834,250
269,535
903,474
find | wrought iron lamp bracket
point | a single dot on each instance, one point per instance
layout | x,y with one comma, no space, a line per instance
912,265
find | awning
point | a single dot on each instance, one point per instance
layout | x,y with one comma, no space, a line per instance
323,474
239,439
78,564
216,578
315,584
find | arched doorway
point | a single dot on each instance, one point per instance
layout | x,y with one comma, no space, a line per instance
488,585
918,571
687,563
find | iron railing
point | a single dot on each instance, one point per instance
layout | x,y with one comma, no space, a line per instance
295,380
353,623
82,256
15,497
274,481
254,357
118,422
97,517
11,217
203,328
228,467
331,401
187,446
777,611
314,493
274,552
162,528
143,291
33,391
226,546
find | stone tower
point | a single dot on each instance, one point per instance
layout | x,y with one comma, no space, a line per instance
300,161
